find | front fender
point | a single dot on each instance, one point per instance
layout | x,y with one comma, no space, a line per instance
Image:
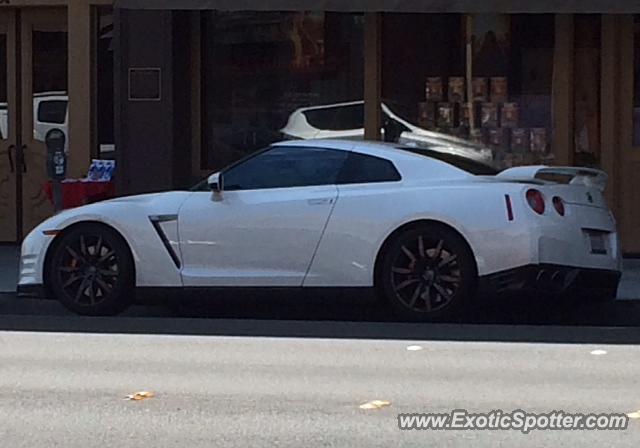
130,218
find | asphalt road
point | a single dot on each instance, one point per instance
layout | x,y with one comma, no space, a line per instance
63,389
292,372
354,306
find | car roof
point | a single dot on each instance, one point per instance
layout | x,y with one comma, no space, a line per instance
344,145
410,164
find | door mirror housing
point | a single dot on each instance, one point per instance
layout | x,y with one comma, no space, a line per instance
216,182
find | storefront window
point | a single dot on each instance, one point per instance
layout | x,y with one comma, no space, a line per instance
270,76
49,82
490,99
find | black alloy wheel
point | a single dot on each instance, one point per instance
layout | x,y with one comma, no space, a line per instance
91,271
427,273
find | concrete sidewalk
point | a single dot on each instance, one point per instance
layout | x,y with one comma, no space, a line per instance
9,258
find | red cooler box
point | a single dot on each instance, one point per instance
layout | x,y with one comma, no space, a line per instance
76,193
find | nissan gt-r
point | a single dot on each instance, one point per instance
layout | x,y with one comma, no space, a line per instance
429,231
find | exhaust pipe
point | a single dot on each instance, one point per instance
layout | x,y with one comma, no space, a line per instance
551,280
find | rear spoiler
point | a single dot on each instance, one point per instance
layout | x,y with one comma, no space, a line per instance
588,177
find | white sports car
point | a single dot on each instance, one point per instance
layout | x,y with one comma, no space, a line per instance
426,229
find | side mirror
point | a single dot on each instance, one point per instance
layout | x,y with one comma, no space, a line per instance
216,182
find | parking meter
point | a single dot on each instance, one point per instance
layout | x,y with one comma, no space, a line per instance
56,163
56,158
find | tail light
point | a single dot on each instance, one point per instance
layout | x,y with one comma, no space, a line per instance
558,204
535,201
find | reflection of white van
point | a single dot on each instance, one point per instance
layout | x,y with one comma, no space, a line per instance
4,121
50,111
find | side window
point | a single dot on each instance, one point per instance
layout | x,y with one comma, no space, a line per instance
361,168
285,167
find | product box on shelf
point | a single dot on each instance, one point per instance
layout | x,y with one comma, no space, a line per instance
480,90
539,140
467,115
489,115
509,115
446,115
427,113
456,89
434,90
499,90
520,140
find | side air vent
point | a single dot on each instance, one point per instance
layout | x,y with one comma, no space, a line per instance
156,222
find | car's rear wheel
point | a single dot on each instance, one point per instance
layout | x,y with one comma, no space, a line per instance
91,271
427,273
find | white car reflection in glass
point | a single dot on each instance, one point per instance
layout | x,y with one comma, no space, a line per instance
346,120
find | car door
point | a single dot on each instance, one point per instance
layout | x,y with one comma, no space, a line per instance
265,226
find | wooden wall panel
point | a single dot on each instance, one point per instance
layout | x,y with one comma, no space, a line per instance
628,180
80,89
562,94
609,112
372,75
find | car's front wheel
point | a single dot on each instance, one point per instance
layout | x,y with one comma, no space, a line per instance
427,273
91,271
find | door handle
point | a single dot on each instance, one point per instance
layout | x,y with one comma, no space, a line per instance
12,167
320,201
23,159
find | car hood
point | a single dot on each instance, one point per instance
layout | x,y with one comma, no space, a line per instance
119,211
149,198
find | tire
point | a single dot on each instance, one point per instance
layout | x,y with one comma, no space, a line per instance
91,271
427,273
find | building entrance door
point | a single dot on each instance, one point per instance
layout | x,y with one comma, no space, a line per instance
33,100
